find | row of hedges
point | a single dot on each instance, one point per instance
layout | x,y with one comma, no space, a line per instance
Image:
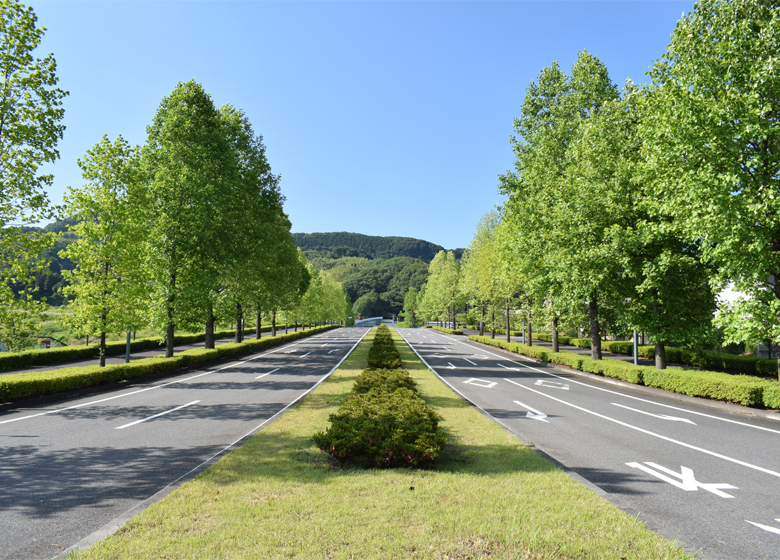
448,331
383,422
41,383
748,365
41,357
383,353
741,389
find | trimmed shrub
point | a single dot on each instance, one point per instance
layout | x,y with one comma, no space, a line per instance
580,342
772,395
383,429
740,389
383,379
615,369
448,331
569,359
32,384
383,353
545,337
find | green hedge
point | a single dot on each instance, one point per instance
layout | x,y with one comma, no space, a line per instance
544,337
742,389
383,353
448,331
27,385
48,356
384,422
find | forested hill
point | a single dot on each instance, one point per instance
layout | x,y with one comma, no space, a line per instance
344,244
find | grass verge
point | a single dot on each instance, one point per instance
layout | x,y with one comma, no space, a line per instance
278,496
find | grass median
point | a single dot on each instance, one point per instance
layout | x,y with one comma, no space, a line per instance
488,496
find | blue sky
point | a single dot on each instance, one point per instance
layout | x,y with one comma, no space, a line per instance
383,118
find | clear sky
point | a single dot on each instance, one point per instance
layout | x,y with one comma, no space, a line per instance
383,118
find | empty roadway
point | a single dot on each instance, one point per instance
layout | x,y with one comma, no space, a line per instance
70,468
705,474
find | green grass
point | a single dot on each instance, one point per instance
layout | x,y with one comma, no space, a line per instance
488,496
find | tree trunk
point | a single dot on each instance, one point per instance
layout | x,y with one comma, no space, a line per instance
530,338
555,334
169,334
508,332
595,336
273,323
286,324
493,321
660,355
259,323
210,328
239,323
482,319
103,345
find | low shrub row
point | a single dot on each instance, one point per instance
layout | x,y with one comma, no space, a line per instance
383,422
545,337
383,353
14,387
41,357
741,389
448,331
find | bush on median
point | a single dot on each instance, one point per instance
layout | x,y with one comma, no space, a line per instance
448,331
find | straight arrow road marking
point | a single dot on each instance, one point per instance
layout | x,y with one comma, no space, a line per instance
155,416
687,480
512,368
269,373
551,384
531,413
661,416
769,528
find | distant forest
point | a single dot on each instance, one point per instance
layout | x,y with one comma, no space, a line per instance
376,271
344,244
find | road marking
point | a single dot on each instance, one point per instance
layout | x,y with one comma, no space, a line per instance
326,344
438,356
469,361
269,373
334,350
687,480
661,416
156,415
480,357
512,368
304,355
531,413
552,384
470,347
769,528
479,383
451,366
648,432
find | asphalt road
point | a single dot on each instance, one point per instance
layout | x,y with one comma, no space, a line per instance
698,473
72,468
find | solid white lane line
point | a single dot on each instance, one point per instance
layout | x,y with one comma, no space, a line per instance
661,416
625,395
469,361
269,373
156,415
648,432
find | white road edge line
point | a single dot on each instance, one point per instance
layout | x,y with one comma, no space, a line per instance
648,432
156,415
147,388
623,394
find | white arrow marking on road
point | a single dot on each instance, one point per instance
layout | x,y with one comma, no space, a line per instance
469,361
661,416
451,366
552,384
334,350
438,356
269,373
479,382
769,528
512,368
687,480
326,344
479,357
155,416
531,413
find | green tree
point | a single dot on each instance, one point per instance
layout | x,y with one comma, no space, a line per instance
713,145
30,115
107,285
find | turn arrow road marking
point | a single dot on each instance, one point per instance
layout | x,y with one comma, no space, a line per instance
535,414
